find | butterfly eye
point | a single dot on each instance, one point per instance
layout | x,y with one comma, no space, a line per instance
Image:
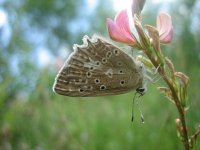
141,90
102,87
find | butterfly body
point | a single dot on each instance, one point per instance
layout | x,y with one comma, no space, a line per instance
98,68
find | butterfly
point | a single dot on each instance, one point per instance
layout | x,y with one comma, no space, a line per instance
99,68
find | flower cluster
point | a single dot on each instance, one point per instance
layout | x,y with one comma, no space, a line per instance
119,29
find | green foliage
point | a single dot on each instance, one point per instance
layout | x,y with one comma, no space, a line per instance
33,117
54,122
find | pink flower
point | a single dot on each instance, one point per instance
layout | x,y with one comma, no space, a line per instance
119,29
165,28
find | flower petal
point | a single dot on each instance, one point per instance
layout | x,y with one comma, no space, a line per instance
119,29
165,28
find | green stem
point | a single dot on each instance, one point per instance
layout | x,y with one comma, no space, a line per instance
180,110
176,100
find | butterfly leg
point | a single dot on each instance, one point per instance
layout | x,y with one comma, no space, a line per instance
156,77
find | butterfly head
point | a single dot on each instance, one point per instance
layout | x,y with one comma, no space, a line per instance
141,90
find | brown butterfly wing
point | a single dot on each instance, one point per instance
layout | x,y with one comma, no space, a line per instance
97,68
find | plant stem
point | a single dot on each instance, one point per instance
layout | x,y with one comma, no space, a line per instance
181,112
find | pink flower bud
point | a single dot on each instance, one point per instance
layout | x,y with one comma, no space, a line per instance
119,29
165,28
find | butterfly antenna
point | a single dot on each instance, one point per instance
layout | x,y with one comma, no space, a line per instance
132,118
141,114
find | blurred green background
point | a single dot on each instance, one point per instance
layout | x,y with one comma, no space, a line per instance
36,36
